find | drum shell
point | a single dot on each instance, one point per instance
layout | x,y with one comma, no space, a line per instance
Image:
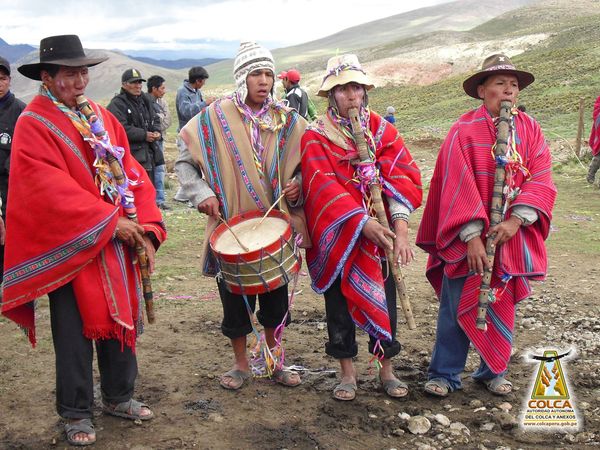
262,270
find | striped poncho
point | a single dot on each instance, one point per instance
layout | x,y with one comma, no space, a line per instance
219,141
460,192
60,228
336,214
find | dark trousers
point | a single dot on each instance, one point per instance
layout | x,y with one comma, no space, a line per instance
236,320
341,328
74,358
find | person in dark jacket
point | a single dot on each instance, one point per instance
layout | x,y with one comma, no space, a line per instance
138,117
10,110
296,97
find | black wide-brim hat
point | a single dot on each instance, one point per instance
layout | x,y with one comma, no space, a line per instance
63,50
495,65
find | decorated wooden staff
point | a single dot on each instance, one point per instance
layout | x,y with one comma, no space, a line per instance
377,201
496,209
127,198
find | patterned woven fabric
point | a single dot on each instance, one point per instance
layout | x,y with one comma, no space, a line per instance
461,191
595,134
59,227
335,213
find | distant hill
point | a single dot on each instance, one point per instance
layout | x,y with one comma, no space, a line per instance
311,57
565,62
184,63
13,52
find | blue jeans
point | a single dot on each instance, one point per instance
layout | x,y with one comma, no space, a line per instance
451,343
159,183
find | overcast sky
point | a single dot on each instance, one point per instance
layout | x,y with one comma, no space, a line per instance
195,28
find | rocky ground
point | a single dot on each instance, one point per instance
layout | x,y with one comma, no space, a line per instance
183,354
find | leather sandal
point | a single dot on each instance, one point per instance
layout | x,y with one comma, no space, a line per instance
131,409
83,426
345,387
238,377
495,386
391,386
438,387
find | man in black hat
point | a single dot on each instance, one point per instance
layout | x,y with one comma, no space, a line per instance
138,117
10,110
456,225
68,237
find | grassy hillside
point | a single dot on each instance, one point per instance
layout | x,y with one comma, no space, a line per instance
566,67
454,16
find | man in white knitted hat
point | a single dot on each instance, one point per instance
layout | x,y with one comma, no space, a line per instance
248,148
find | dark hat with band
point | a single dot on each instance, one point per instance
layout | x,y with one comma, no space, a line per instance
63,50
495,65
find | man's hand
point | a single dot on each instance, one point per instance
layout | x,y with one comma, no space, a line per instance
150,253
505,230
209,100
379,234
292,190
210,207
129,232
2,231
403,253
476,257
152,136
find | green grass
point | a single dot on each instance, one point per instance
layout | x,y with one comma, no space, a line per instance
566,67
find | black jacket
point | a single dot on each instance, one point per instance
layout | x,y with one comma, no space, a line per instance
298,99
10,110
137,115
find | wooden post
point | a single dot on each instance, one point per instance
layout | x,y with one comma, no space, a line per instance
579,129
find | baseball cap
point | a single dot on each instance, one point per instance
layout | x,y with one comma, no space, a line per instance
293,75
282,75
131,75
5,64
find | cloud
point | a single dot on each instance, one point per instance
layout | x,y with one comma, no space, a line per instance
201,25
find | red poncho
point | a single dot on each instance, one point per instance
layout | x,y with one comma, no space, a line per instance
59,228
461,191
335,213
595,134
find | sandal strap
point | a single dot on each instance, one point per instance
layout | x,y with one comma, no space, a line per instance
82,426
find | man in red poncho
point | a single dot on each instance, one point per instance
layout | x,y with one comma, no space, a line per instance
70,240
345,261
456,222
595,143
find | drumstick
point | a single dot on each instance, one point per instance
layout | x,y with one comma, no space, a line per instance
268,211
246,249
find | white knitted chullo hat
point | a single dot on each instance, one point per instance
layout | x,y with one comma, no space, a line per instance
250,57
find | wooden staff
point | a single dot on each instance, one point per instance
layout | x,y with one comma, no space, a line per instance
496,209
117,171
375,189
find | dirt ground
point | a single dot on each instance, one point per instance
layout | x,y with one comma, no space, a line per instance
183,354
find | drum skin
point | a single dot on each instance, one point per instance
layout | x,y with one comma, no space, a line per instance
261,270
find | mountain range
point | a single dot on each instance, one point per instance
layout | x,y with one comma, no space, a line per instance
310,58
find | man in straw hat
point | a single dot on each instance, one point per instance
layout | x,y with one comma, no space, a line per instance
248,148
456,222
345,261
67,238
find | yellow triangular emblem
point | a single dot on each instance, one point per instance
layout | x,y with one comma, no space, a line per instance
550,381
